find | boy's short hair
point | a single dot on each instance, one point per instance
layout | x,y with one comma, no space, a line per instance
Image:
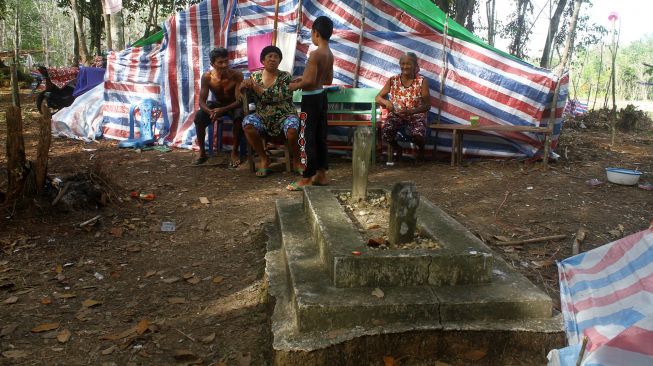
271,49
218,52
323,26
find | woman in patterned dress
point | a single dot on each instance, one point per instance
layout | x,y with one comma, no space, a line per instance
275,113
407,98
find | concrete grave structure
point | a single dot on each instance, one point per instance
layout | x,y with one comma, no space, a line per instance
333,293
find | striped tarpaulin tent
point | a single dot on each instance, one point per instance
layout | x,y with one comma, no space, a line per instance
479,80
607,296
132,76
189,36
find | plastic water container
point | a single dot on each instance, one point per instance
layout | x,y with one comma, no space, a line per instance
622,176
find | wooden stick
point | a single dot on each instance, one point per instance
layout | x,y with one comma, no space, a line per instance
580,236
360,45
61,193
89,221
534,240
276,23
501,205
582,351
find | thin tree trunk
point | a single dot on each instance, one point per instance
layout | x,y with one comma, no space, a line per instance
553,29
117,26
76,56
490,7
517,43
107,30
79,27
558,72
598,79
614,48
607,90
464,13
45,139
17,171
15,96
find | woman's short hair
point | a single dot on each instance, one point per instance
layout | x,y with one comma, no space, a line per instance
270,49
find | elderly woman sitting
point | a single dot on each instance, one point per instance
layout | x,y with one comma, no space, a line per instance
275,112
406,96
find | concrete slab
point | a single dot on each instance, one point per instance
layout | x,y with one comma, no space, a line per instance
313,311
458,262
291,344
319,305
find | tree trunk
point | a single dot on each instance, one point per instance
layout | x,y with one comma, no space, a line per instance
516,45
598,78
464,13
615,46
566,54
79,27
16,169
490,7
93,12
76,56
558,72
107,30
15,96
117,27
443,5
45,139
553,29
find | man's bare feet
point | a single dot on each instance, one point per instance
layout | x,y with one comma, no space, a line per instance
320,179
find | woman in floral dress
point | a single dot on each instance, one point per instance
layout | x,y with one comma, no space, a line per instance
407,98
275,112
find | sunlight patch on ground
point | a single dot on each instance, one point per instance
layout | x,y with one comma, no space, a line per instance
248,297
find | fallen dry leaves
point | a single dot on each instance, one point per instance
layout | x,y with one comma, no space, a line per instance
142,326
176,300
11,300
64,336
45,327
89,303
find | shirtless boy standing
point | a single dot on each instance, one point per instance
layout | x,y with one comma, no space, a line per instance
318,72
224,83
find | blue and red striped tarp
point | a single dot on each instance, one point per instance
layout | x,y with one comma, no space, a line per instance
607,296
479,81
575,108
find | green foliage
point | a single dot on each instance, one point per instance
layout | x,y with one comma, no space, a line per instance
632,74
3,9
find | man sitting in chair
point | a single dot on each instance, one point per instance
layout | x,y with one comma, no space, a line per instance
224,84
275,112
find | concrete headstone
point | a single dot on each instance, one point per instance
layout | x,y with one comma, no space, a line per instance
404,201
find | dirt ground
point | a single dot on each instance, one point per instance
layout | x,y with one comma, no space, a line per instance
119,291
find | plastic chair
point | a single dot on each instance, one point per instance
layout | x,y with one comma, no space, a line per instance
149,111
211,129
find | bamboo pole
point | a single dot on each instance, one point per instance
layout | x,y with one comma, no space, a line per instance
276,22
360,45
443,74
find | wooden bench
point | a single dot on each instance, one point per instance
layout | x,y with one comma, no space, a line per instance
457,132
351,107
